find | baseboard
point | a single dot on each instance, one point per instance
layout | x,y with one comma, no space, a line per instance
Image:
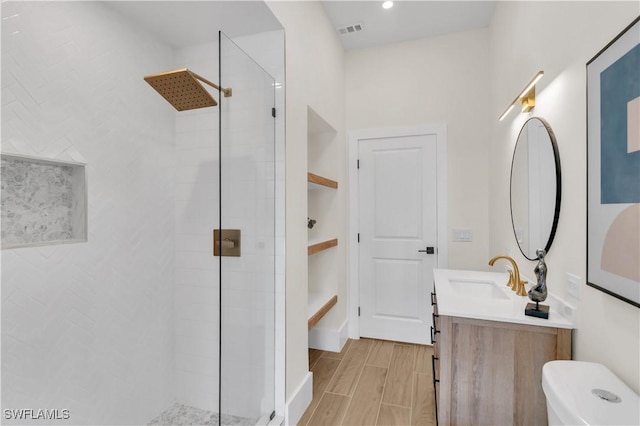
327,339
299,401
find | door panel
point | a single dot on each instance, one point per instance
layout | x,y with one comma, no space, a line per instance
393,169
397,292
398,217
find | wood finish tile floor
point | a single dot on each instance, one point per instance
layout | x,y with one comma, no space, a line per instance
371,382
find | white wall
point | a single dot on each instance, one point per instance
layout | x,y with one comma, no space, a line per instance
559,38
428,81
315,78
89,327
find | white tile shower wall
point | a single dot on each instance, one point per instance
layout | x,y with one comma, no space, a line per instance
89,327
197,215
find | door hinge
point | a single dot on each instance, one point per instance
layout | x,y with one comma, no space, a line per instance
358,310
358,165
273,112
358,237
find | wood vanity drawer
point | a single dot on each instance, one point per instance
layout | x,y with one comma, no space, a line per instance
435,326
435,368
435,371
435,342
434,300
435,329
434,335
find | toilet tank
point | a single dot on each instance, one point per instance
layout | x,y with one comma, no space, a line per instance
587,393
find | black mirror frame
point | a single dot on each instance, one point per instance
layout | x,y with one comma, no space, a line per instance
556,213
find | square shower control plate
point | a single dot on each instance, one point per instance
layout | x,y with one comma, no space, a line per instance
226,242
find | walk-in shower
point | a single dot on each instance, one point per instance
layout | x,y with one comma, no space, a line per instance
133,318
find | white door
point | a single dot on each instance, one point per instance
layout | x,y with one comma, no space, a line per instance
398,236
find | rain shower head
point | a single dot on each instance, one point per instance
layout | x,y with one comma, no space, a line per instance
182,89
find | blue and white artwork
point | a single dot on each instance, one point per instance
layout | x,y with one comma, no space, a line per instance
620,158
613,167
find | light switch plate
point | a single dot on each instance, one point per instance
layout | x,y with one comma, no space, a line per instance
573,285
462,235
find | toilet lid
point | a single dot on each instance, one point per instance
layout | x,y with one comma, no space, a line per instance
589,394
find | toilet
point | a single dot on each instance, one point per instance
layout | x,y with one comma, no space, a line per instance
587,393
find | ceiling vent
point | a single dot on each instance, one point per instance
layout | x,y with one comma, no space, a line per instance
350,29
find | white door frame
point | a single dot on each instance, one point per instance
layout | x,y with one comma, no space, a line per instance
440,130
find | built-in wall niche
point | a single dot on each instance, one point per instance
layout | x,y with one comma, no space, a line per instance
43,201
322,206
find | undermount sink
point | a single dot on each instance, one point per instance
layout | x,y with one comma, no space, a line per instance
478,289
484,295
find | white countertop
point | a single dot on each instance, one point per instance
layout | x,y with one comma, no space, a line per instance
505,306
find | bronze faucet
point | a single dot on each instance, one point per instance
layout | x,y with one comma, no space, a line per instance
515,282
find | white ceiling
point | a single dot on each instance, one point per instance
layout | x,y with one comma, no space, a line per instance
406,20
185,23
188,23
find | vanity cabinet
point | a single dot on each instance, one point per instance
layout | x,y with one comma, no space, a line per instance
435,358
490,372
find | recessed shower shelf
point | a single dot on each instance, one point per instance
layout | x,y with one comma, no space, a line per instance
317,181
44,201
318,305
316,246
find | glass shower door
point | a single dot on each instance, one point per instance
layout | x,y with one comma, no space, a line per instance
247,238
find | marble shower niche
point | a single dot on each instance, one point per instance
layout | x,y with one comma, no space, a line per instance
43,202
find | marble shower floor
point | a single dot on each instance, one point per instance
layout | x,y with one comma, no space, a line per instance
180,414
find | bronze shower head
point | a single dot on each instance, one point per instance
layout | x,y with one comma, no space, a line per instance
182,89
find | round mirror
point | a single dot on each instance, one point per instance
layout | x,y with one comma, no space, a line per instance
535,187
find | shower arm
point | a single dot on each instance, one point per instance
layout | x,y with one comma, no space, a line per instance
227,92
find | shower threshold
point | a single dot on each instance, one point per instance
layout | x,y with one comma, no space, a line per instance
180,414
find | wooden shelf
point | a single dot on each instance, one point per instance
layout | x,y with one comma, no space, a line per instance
322,181
319,305
317,246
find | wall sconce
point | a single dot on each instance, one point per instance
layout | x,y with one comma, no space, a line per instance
527,97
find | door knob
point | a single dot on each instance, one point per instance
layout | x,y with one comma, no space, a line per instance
429,250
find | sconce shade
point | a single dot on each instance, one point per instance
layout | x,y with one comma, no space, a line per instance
527,97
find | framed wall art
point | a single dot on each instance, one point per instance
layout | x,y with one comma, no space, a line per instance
613,167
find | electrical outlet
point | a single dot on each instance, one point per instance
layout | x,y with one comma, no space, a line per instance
573,285
569,312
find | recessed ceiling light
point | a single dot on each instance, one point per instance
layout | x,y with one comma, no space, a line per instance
387,4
